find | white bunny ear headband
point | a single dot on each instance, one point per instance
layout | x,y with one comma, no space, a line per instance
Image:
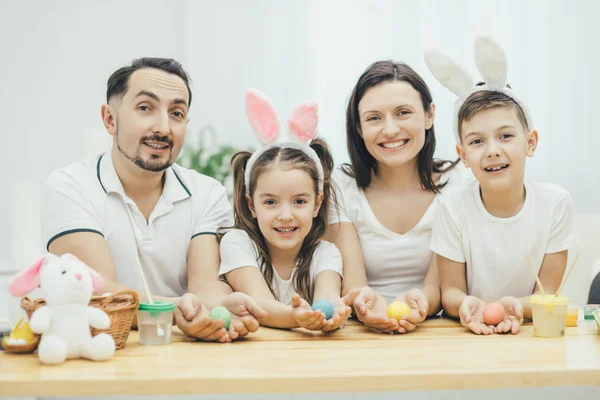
491,63
265,124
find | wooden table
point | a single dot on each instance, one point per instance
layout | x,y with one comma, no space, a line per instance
439,355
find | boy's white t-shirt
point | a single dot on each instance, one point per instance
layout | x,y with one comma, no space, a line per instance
238,250
394,263
494,249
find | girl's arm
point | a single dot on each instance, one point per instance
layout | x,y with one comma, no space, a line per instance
328,285
250,280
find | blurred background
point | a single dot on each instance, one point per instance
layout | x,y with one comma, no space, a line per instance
57,56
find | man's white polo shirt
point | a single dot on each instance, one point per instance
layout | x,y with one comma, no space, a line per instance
88,197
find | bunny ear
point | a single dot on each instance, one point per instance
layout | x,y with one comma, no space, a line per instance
96,281
304,120
26,280
262,116
491,62
449,73
96,278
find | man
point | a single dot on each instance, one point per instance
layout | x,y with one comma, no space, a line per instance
134,206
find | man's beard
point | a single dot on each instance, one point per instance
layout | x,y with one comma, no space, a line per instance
153,164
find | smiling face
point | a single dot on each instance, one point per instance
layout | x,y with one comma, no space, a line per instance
393,122
149,121
284,204
495,145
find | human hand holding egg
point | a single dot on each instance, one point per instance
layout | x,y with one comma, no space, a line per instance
245,314
512,315
371,310
471,316
418,306
341,311
192,317
307,318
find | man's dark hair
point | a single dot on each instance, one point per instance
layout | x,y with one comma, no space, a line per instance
118,81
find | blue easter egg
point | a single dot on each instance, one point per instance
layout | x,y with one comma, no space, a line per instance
325,306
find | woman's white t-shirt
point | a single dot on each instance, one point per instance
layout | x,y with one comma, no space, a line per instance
238,250
495,249
394,263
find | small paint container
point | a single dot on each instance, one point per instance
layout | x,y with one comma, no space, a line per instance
588,310
155,321
549,315
572,316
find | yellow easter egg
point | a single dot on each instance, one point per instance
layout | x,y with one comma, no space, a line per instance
397,310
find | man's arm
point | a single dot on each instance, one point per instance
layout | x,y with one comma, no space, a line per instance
203,271
92,249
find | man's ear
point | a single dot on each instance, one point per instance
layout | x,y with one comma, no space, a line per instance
532,142
109,118
460,150
251,206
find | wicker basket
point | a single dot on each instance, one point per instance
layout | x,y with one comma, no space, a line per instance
120,307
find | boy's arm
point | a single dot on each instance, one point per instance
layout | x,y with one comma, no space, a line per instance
453,283
446,243
431,287
551,275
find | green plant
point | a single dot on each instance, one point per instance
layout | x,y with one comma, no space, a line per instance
211,160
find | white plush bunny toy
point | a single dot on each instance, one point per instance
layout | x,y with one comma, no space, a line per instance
67,285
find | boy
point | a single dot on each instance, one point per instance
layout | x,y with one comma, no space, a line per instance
487,228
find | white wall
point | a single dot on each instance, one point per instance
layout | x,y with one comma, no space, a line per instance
56,59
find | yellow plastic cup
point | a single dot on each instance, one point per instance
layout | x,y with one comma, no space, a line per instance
549,315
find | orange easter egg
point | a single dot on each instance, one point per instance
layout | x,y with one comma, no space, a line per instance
493,314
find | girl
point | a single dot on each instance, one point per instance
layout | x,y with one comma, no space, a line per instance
387,197
281,198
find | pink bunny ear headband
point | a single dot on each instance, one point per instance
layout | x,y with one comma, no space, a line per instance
492,65
265,125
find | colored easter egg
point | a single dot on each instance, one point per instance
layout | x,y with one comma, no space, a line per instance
493,313
221,313
397,310
325,306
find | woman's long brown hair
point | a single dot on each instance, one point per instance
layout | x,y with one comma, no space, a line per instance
363,164
243,217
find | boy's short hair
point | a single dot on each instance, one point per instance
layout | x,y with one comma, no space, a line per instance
484,100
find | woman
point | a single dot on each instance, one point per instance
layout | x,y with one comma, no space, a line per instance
387,197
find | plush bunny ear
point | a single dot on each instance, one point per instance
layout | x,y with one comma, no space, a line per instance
26,280
96,281
491,62
304,120
262,116
449,72
96,278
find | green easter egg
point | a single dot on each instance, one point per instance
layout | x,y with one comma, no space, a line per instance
221,313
